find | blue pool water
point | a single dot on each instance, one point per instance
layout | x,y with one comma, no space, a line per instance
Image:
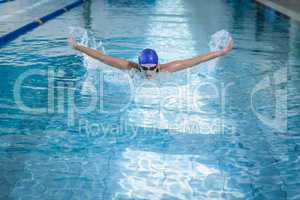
227,129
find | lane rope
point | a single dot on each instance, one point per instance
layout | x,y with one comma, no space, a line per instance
36,23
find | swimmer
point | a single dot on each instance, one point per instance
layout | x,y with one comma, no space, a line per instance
148,63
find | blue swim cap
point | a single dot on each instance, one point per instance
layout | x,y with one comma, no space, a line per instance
148,56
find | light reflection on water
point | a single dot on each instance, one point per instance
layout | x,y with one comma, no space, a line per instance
151,175
42,158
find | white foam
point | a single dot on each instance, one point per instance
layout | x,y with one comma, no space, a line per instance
217,42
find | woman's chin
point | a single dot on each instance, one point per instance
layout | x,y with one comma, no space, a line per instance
148,76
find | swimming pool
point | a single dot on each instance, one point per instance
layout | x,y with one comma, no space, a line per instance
227,131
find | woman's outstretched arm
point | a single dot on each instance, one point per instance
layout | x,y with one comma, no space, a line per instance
183,64
109,60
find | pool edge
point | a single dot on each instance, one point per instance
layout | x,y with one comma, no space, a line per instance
281,8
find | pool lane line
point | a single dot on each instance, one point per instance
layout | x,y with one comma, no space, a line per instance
4,1
36,23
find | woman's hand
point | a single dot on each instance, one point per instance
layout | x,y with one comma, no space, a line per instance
72,42
228,47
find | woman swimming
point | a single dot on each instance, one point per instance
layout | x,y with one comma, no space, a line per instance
148,60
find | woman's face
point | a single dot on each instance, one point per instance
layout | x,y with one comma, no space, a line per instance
150,70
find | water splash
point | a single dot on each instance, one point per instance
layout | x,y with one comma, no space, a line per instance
86,38
217,42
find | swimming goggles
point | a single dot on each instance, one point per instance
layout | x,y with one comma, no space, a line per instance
144,68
